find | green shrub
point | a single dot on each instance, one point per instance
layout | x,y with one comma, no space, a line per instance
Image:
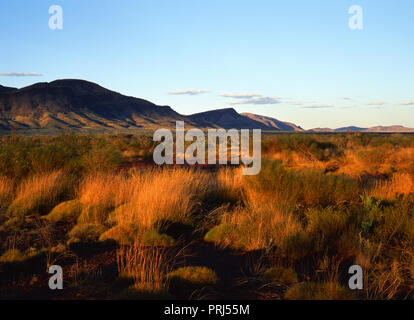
121,234
319,291
156,239
192,277
68,211
93,214
281,274
219,234
85,233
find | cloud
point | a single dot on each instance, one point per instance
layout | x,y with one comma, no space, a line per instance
259,100
190,92
250,98
406,103
240,95
296,103
379,103
319,106
20,74
346,98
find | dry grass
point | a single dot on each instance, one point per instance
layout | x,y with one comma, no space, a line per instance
147,266
39,194
303,210
162,195
105,189
6,191
258,226
400,183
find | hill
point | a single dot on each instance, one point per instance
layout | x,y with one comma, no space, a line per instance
78,105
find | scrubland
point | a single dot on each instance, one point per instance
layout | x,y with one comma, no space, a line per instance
123,228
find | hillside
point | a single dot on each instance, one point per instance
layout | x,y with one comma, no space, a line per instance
377,129
78,105
82,106
273,123
230,119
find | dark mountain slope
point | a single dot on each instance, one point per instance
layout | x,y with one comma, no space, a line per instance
78,104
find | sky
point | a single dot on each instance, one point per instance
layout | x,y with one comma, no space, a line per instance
297,61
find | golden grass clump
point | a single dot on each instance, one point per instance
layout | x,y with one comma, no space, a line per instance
192,277
148,268
400,183
162,195
230,184
39,194
257,226
6,191
100,193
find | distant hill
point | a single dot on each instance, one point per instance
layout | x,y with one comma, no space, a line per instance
378,129
82,106
78,105
273,123
231,119
6,89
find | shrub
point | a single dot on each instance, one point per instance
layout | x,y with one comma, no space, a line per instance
259,225
68,211
306,187
319,291
122,234
192,277
12,255
156,239
85,233
280,274
219,234
93,214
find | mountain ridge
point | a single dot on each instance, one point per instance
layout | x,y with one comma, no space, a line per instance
377,129
83,106
80,105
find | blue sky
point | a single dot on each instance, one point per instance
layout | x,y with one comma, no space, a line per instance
294,60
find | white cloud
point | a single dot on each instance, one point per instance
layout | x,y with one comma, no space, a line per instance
319,106
190,92
20,74
406,103
379,103
259,100
240,95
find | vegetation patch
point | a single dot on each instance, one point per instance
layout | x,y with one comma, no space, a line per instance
155,238
85,233
319,291
281,274
68,212
192,277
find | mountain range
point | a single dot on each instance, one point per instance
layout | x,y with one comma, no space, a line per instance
82,106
